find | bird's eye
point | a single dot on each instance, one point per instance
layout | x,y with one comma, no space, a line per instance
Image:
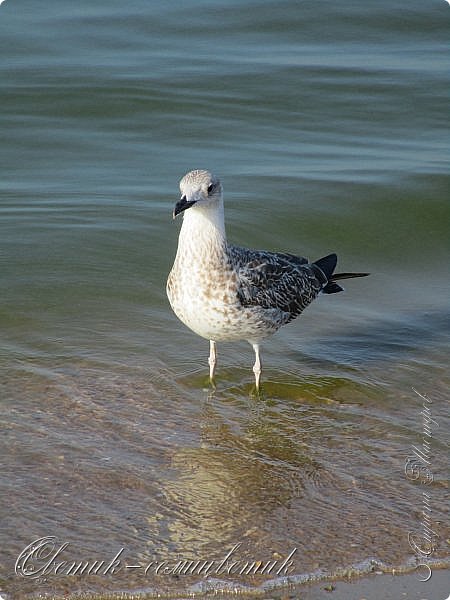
211,187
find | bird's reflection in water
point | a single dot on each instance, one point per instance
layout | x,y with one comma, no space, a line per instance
240,479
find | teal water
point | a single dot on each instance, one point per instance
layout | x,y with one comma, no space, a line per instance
327,124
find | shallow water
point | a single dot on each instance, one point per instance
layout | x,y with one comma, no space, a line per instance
326,123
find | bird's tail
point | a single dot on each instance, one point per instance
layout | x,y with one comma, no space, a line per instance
327,264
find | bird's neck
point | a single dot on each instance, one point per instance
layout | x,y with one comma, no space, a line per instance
203,230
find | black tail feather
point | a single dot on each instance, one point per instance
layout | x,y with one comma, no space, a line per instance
332,288
327,264
337,276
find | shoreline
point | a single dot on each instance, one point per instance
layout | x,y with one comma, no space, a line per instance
373,586
380,586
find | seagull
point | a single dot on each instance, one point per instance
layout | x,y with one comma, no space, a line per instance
228,293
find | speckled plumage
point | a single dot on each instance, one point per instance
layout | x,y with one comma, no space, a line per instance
225,292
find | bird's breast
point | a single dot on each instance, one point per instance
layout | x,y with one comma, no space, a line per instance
203,295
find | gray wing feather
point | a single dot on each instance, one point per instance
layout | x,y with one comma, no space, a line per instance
275,280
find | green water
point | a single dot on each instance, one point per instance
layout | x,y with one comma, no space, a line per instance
327,124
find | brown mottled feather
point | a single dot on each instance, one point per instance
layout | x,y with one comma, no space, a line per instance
275,280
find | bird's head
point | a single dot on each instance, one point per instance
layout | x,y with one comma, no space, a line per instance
199,188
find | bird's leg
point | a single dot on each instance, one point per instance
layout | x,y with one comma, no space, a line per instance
257,365
212,360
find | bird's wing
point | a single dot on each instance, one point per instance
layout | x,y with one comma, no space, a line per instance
275,280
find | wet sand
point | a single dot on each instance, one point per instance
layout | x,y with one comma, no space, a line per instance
97,460
380,587
373,587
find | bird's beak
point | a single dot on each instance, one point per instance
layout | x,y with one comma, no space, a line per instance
182,205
